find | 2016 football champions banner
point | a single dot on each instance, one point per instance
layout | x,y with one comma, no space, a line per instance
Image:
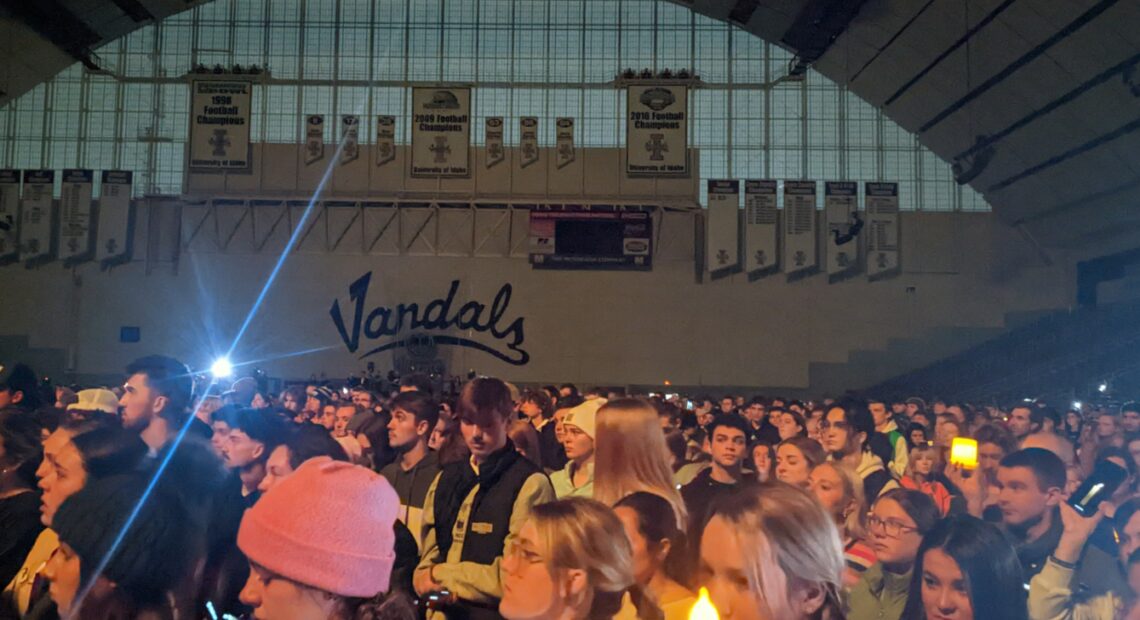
219,125
75,221
657,130
441,132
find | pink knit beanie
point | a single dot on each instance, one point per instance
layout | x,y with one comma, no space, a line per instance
327,526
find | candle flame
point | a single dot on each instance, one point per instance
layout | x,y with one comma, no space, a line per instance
703,609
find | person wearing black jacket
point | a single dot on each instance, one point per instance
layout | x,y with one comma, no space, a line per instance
539,411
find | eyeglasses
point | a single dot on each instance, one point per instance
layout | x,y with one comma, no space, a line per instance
516,550
826,424
890,526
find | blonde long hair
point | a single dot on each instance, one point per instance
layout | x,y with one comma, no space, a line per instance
630,455
788,541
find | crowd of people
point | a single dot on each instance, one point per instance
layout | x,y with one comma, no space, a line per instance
159,499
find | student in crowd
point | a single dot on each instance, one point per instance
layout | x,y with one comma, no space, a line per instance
896,524
630,456
846,431
838,490
20,456
1130,418
795,459
658,553
571,560
1023,420
756,413
254,433
578,430
885,425
300,444
920,475
772,552
414,415
763,457
966,570
343,415
95,403
316,564
792,425
156,399
525,440
110,565
538,408
19,388
474,509
725,476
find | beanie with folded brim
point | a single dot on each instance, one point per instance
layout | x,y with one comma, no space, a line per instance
299,529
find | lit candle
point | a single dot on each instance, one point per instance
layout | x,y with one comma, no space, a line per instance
703,609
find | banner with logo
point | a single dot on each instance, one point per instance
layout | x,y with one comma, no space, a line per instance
75,216
114,232
722,228
35,217
219,125
493,141
882,202
528,140
761,228
564,144
385,139
657,130
314,138
841,212
441,132
9,216
350,138
800,237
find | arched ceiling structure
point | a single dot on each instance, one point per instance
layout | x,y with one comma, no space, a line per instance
1037,102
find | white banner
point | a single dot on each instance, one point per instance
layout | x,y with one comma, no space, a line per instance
840,209
385,139
75,216
657,130
219,125
113,238
800,238
441,132
722,227
350,136
314,137
528,140
35,216
564,152
9,216
882,202
761,228
494,141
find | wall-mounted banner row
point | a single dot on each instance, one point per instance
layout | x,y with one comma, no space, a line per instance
761,241
35,229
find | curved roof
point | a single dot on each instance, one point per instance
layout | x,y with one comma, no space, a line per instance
1036,102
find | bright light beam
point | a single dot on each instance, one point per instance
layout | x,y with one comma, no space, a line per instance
222,368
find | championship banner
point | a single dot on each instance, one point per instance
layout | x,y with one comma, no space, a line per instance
441,132
722,228
9,216
219,125
800,238
116,218
761,229
385,139
75,216
350,138
314,138
564,153
493,141
841,211
657,130
882,201
528,140
35,217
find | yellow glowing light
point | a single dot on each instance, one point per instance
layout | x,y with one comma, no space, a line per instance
668,382
964,452
703,609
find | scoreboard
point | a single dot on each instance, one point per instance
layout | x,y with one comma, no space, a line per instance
591,237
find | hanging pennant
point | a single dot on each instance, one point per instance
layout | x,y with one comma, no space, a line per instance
35,217
761,229
9,216
564,152
800,237
220,112
385,139
494,141
114,232
722,229
882,201
841,210
314,138
350,138
657,130
528,140
75,216
441,132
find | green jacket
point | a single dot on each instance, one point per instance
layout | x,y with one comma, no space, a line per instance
563,482
879,595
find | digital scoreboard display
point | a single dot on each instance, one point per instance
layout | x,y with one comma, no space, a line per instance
591,237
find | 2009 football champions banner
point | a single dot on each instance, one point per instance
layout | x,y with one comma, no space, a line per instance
657,130
441,132
219,125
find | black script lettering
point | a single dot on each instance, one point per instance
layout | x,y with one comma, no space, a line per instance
475,310
441,307
356,292
403,310
372,330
